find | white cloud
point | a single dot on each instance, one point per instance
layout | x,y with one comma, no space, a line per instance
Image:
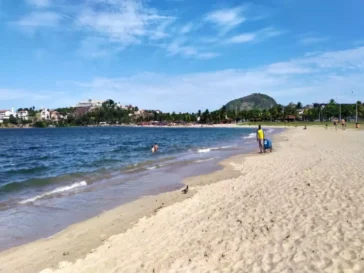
351,59
288,68
98,47
242,38
178,47
226,18
127,22
186,28
7,94
39,19
310,39
257,36
39,3
307,79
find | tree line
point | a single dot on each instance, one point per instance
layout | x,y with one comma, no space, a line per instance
110,113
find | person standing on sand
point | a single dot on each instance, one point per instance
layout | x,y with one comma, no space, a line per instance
335,124
343,124
260,139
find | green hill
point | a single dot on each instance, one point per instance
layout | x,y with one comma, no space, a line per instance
253,101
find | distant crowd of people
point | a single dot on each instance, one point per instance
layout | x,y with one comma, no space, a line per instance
343,124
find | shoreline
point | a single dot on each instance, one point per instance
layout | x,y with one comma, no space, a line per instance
296,210
222,125
92,232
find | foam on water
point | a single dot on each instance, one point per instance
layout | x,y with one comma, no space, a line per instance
204,160
206,150
57,190
251,135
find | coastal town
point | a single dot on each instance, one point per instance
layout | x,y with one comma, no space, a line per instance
108,112
30,116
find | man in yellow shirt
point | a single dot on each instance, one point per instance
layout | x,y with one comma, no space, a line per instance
260,139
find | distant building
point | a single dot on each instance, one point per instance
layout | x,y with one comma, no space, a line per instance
45,114
300,112
22,114
90,103
55,116
290,118
6,114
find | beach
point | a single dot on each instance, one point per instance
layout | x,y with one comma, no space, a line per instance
298,209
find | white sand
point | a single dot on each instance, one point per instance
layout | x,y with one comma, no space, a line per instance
299,209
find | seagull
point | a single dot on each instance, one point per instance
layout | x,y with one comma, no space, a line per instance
184,191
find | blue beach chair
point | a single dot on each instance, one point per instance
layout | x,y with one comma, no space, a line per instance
268,145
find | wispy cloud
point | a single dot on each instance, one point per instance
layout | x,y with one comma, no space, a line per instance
311,39
226,18
242,38
178,47
307,78
106,27
98,47
186,28
39,3
311,78
39,19
127,22
257,36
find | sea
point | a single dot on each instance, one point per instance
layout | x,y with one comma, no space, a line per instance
51,178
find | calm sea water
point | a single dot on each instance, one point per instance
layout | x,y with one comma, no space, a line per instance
50,178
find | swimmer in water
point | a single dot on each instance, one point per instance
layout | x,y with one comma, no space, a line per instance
153,149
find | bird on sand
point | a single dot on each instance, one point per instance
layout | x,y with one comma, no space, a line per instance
184,191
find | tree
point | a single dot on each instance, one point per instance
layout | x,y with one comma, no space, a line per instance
13,120
299,105
223,113
108,104
40,124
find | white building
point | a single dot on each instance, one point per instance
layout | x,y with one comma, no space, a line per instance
90,103
23,114
5,114
45,114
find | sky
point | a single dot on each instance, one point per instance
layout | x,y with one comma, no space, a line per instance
176,55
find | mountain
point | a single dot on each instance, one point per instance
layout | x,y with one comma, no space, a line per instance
253,101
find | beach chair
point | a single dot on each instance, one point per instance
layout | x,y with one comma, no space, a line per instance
268,145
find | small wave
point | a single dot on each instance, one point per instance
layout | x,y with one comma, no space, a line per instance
227,147
152,168
27,170
57,190
206,150
251,135
204,160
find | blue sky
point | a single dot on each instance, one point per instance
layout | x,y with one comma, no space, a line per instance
177,55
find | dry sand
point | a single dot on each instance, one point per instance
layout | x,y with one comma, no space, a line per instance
299,209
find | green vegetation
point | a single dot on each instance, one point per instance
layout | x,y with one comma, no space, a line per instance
251,102
294,114
300,124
